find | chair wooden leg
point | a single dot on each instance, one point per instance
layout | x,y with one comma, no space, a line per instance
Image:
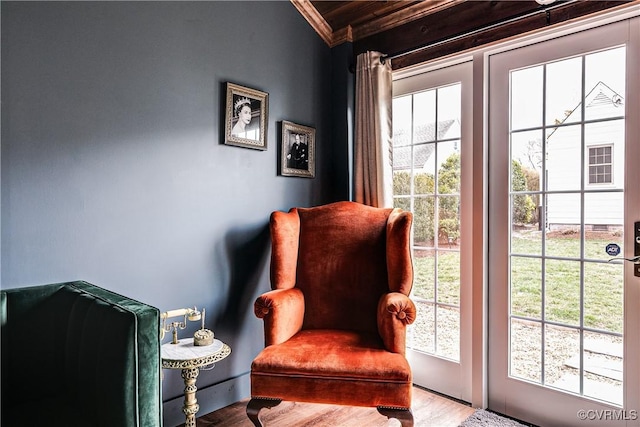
403,415
256,404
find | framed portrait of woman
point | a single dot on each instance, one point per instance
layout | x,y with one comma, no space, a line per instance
297,150
246,116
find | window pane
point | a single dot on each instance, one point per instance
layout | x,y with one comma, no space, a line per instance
401,116
423,221
526,350
448,332
605,146
526,239
526,287
605,84
402,161
562,358
424,116
524,224
449,277
603,296
562,291
564,153
526,98
449,221
564,91
448,167
403,203
603,370
449,98
424,162
603,217
526,151
423,330
563,225
424,274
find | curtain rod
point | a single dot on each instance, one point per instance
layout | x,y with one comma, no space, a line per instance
547,10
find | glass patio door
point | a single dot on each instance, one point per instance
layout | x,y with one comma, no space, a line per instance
563,196
431,121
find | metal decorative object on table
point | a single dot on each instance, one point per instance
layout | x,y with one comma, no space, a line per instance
202,337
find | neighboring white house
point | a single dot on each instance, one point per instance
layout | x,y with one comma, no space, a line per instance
603,161
423,153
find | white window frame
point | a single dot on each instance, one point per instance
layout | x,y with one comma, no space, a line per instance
589,165
435,372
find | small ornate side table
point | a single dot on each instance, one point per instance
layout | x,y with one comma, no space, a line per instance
190,359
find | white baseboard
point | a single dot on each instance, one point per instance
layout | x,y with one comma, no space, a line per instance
209,398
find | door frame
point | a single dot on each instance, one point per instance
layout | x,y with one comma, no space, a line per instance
477,228
501,388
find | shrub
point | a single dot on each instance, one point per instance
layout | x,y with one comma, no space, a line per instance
523,205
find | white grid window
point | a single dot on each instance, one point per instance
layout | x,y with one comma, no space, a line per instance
600,165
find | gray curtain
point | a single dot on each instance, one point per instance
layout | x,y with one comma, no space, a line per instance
373,180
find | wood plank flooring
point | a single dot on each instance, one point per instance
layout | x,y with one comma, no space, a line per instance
429,409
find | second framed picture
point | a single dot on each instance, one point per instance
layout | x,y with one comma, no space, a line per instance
297,150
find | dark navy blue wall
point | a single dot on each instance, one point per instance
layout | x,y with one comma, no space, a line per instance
342,118
112,167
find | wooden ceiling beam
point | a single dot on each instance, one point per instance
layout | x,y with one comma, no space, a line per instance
401,17
443,33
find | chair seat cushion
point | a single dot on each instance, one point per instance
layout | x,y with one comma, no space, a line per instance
332,366
333,354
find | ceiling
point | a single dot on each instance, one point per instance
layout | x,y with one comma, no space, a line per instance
416,31
341,21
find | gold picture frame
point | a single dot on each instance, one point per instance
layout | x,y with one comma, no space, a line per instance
297,150
246,117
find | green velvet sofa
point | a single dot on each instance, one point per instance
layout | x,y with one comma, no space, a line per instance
74,354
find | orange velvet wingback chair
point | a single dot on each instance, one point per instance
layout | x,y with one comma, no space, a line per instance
335,319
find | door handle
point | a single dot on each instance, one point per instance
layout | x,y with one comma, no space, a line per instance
636,251
636,238
635,260
636,247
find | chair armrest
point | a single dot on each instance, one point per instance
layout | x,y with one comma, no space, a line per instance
283,312
395,312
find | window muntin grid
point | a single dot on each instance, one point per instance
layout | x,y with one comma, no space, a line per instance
427,182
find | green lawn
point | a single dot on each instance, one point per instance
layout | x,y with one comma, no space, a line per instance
602,282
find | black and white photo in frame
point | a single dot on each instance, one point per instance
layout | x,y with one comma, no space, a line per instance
297,150
246,116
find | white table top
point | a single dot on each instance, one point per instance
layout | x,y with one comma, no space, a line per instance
184,354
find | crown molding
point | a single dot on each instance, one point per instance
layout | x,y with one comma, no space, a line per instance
314,19
342,35
333,37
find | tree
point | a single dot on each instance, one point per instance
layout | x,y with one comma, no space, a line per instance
449,175
424,200
449,206
533,184
423,205
523,205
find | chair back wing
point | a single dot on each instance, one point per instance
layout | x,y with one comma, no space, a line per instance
342,265
285,234
399,259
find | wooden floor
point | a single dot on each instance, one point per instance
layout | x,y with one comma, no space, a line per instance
429,409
